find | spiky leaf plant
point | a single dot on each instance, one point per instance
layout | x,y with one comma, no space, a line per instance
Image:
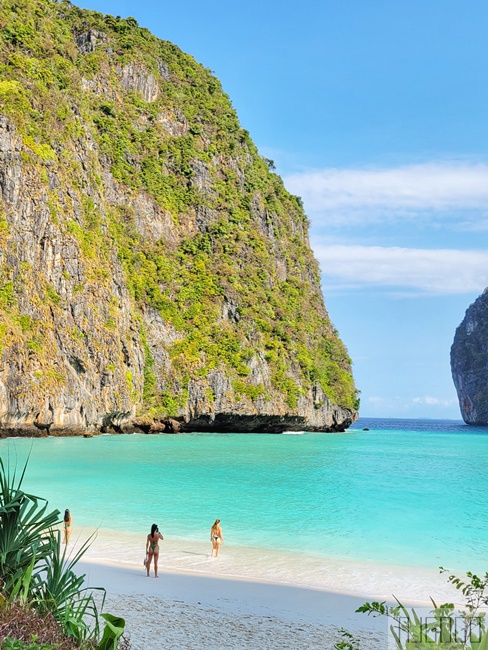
58,589
25,525
37,572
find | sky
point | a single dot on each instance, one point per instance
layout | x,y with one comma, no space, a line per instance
375,113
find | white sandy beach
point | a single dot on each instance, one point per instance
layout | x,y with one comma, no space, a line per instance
248,597
190,610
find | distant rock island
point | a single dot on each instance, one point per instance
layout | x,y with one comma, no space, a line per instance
155,275
469,362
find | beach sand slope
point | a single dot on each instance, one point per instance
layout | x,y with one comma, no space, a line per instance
187,610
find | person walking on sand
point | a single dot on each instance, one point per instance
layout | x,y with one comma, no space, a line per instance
216,537
67,521
152,549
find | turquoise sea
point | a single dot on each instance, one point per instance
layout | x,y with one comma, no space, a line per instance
407,492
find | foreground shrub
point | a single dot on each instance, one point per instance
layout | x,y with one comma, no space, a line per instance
56,588
445,627
37,579
25,526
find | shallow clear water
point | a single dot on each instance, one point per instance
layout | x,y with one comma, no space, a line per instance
406,492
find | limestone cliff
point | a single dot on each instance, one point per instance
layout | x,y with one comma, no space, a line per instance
469,362
154,272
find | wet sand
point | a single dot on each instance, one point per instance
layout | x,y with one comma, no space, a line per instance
248,597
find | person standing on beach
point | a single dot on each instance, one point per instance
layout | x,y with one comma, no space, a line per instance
152,549
68,520
216,537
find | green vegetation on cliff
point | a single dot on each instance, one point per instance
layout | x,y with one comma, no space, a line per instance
172,189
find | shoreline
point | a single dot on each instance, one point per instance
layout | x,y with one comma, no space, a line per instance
127,424
349,577
189,610
243,599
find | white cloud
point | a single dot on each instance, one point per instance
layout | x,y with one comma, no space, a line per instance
445,271
350,195
428,400
408,406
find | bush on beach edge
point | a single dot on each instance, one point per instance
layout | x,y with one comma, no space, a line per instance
44,603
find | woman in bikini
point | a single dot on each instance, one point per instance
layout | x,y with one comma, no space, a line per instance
152,549
68,519
216,537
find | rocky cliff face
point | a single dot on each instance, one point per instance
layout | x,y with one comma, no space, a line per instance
469,362
154,272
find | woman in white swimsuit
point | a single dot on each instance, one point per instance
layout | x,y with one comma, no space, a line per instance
216,537
152,549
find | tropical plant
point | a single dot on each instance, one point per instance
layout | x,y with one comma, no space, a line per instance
37,573
349,642
24,529
57,588
114,628
444,627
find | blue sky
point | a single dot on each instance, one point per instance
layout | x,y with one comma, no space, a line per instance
375,112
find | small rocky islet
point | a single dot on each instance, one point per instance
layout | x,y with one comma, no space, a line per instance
469,362
155,275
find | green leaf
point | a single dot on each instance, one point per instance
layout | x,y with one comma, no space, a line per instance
114,628
484,642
